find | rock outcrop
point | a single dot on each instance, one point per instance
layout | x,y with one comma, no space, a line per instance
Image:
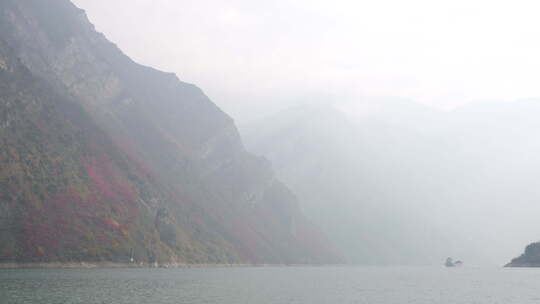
530,258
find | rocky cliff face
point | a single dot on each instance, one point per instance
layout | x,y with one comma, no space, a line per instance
104,156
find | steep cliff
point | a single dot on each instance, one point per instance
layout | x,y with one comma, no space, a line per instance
105,157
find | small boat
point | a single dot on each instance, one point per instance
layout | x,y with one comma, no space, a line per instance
450,263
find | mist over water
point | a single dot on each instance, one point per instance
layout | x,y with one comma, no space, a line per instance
287,151
391,180
395,182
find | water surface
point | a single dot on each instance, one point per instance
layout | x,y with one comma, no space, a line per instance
302,285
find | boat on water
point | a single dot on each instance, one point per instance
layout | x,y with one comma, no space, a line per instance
450,263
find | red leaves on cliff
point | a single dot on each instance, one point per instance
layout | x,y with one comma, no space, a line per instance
106,181
94,215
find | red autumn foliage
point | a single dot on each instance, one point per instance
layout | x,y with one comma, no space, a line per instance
68,217
106,181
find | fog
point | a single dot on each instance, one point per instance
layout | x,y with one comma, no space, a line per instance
402,126
254,57
401,183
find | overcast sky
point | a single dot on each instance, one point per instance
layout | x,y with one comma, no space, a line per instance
253,56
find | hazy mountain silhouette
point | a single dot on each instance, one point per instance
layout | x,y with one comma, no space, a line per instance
396,182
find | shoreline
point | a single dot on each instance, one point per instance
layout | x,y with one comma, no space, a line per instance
112,265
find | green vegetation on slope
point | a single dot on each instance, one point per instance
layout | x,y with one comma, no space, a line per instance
103,158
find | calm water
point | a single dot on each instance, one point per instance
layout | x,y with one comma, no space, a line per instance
307,285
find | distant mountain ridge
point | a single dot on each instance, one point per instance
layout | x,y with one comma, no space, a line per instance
338,169
103,158
393,182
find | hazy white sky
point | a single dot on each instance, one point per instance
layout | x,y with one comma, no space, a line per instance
254,56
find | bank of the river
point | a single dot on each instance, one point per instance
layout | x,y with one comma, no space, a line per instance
82,265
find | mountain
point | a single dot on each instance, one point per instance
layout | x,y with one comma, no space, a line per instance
348,177
103,158
394,182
